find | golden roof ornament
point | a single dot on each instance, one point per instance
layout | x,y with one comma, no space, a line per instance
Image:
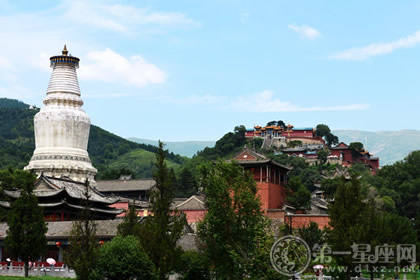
65,51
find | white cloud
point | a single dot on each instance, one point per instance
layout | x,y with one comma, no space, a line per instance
266,101
375,49
109,66
121,18
305,31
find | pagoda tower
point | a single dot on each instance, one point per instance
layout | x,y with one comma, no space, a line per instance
62,127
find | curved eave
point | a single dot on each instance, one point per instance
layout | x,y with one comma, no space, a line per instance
12,194
104,200
45,205
47,193
5,204
110,211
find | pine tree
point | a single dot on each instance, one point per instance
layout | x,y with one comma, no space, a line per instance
234,230
26,234
187,183
347,220
82,254
160,232
131,223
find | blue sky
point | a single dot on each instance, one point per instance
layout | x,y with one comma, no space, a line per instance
192,70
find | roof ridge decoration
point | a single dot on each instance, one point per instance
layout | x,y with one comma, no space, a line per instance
189,199
78,192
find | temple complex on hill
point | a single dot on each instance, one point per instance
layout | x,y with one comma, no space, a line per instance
304,143
289,133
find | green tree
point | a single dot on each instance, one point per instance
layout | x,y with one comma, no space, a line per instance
356,146
298,196
323,155
26,234
234,230
329,186
131,223
82,254
161,231
347,220
322,130
123,258
331,140
194,265
187,183
312,234
401,182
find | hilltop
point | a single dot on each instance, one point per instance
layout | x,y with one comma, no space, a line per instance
389,146
107,151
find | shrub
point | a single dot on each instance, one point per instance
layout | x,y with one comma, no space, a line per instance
194,266
124,258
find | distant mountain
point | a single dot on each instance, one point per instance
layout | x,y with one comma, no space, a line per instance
183,148
389,146
107,151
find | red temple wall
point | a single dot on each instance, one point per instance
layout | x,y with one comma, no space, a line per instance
263,194
299,133
194,216
299,221
277,196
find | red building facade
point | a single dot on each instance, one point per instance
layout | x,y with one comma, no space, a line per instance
270,176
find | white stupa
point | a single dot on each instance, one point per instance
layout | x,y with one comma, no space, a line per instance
62,127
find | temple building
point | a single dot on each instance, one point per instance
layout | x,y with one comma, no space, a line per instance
348,157
270,177
288,133
63,199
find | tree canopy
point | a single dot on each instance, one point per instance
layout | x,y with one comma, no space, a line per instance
26,234
234,229
123,258
160,232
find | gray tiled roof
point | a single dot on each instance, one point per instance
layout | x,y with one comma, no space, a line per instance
57,230
191,203
56,186
77,190
125,185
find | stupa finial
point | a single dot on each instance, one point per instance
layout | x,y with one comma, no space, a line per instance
65,51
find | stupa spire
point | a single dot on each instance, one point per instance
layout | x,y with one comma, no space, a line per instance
65,52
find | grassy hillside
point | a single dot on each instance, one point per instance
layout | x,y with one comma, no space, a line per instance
184,148
140,162
106,150
389,146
